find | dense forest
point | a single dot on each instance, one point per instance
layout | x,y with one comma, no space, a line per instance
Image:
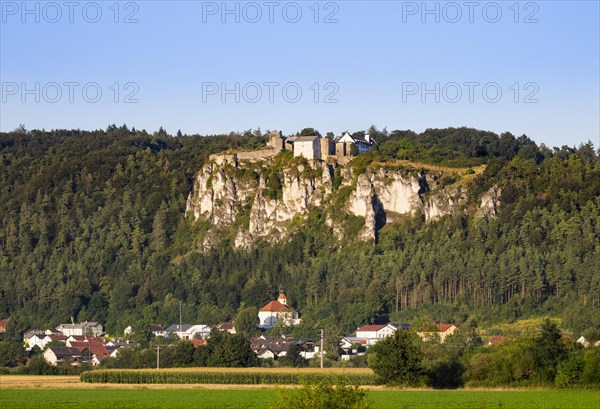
93,227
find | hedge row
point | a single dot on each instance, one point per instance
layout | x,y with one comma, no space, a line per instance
201,377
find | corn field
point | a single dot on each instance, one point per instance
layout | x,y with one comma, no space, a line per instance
215,377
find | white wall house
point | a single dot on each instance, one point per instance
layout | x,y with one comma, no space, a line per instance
277,312
308,146
362,144
35,340
369,334
188,331
83,328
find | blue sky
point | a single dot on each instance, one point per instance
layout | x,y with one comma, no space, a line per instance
212,67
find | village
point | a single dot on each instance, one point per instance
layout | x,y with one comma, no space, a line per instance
86,342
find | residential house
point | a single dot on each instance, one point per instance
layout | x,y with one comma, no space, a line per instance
440,331
583,341
368,335
34,338
228,327
189,331
57,355
266,347
3,324
157,330
374,333
93,349
84,328
343,146
266,353
277,311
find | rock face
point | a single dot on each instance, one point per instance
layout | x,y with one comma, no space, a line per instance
490,201
240,195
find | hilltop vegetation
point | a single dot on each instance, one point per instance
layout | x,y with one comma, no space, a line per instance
93,228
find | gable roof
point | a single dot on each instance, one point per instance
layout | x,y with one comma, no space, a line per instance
306,138
443,327
55,337
64,352
179,327
437,328
94,348
371,328
275,306
81,325
156,328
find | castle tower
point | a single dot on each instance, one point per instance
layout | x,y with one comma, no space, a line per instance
276,141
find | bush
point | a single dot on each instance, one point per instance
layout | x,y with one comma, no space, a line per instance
39,366
326,393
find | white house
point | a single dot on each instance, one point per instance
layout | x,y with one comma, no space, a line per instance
188,331
277,311
308,146
84,328
228,327
583,341
36,339
362,144
266,353
157,330
56,355
369,334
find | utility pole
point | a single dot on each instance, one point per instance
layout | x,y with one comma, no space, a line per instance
158,357
322,351
180,316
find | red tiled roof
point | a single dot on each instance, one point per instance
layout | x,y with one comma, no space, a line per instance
79,338
198,342
275,306
95,348
370,328
438,328
497,339
4,323
443,327
226,326
55,337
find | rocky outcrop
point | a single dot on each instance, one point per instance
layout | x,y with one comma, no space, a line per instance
490,201
237,194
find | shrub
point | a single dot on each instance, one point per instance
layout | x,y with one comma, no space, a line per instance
39,366
325,393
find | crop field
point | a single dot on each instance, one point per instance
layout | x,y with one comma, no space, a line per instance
250,376
263,398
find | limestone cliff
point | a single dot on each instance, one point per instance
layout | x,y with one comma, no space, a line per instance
259,199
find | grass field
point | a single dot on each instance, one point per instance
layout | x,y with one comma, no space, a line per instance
261,398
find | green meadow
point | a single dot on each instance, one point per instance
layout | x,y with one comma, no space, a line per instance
261,398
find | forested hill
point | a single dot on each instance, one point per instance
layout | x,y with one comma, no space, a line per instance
93,228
